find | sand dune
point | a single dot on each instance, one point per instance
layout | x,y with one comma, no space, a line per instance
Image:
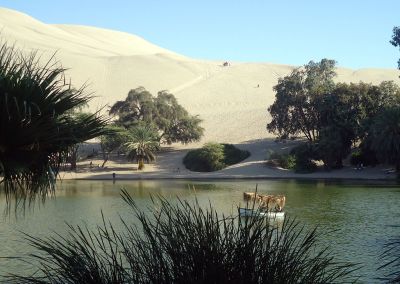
228,99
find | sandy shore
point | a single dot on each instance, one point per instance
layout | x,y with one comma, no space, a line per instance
169,166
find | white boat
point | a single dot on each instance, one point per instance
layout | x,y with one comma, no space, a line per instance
247,212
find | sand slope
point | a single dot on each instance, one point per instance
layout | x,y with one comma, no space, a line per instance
226,98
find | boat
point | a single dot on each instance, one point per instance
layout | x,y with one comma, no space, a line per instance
248,212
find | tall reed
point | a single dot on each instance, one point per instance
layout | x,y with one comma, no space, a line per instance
184,243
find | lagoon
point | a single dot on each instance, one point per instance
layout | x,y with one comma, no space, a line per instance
356,219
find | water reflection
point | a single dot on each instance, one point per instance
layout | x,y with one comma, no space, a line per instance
356,219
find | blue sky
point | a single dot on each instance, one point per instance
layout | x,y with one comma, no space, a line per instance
355,33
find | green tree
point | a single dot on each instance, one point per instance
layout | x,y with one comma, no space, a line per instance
112,141
172,121
333,146
36,125
338,125
372,100
142,145
138,106
331,116
396,40
294,110
385,136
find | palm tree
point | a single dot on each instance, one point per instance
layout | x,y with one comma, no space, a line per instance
142,145
37,125
386,136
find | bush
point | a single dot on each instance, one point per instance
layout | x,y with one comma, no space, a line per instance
365,157
305,153
184,243
356,158
290,162
286,161
234,155
213,157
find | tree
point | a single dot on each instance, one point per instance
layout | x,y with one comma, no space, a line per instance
294,110
331,116
396,40
138,106
72,154
142,145
114,140
333,146
338,125
385,136
36,125
172,121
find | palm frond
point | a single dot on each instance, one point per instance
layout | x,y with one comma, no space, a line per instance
36,123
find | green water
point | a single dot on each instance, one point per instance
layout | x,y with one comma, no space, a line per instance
356,219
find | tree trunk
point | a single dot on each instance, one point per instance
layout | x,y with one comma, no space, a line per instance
339,163
73,157
140,164
105,159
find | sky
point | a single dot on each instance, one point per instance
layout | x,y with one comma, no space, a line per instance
356,33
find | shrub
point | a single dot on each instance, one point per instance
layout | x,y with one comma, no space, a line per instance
305,153
283,160
206,159
363,156
213,157
290,162
234,155
356,158
184,243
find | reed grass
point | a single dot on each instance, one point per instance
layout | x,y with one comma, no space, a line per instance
184,243
391,261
